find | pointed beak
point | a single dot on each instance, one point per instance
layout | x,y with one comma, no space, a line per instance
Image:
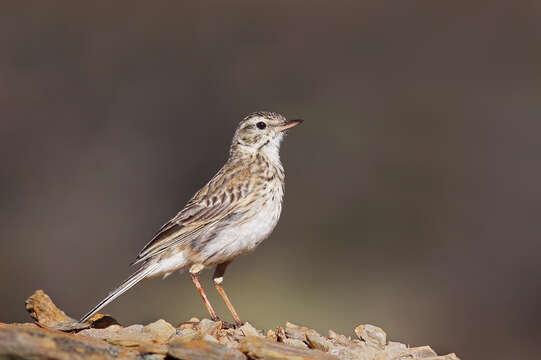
289,124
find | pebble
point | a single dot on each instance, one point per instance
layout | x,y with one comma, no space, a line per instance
372,335
198,339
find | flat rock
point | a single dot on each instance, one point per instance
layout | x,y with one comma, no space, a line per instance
339,338
196,339
295,342
316,341
23,342
129,336
257,347
159,331
422,352
293,331
202,350
372,335
45,313
209,327
248,330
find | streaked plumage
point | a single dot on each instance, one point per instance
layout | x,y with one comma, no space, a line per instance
230,216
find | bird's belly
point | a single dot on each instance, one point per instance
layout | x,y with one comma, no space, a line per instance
243,238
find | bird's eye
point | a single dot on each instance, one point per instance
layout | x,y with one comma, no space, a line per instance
261,125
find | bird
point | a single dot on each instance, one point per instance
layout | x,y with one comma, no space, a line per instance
228,217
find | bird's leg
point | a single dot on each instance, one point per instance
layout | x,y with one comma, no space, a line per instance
218,280
194,273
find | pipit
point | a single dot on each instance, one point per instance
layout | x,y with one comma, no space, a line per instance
230,216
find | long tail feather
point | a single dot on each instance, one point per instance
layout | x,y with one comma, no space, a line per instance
125,286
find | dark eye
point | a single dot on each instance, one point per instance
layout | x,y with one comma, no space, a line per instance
261,125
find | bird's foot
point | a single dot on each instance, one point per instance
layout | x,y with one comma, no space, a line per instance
225,324
228,325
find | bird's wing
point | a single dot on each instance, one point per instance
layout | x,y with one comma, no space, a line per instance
223,196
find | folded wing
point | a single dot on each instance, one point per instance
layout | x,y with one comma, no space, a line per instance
212,204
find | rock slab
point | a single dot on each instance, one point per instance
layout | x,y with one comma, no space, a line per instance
55,335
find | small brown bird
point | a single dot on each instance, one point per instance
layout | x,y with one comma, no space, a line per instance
230,216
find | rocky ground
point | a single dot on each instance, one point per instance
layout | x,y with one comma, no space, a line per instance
54,335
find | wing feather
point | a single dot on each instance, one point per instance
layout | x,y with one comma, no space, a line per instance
213,203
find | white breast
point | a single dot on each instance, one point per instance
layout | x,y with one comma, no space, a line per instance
243,238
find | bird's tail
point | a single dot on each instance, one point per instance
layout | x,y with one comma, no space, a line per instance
134,278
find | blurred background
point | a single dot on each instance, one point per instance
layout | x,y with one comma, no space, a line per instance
412,198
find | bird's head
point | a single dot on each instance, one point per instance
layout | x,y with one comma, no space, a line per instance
262,131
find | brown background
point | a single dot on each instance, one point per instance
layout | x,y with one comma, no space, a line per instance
413,188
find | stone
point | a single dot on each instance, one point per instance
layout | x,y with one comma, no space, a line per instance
202,350
248,330
257,347
339,338
101,321
316,341
395,350
23,342
372,335
296,343
451,356
100,333
209,338
186,336
422,352
210,327
150,357
159,331
200,339
130,336
44,312
228,337
271,335
295,331
153,348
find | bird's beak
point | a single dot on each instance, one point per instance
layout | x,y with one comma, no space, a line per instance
288,125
